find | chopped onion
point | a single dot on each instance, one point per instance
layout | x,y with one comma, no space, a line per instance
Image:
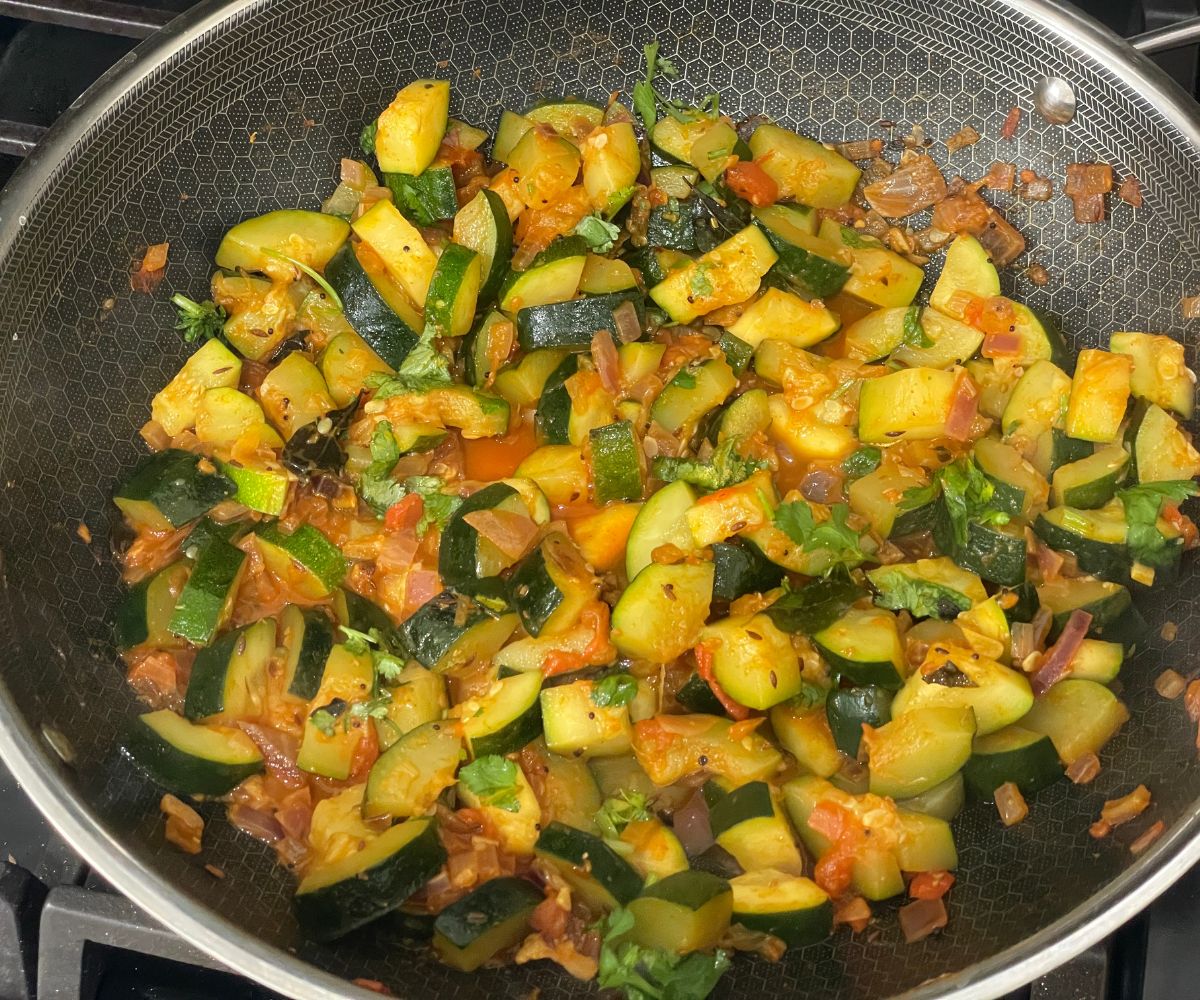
1010,803
1191,700
625,319
854,913
185,828
1000,176
1130,191
1151,834
512,533
1170,684
1058,659
821,486
963,407
1012,121
1037,275
691,825
1087,184
741,938
1084,769
1127,807
1002,240
964,137
921,918
912,188
1190,307
964,212
604,357
1168,632
1035,188
279,750
860,149
257,823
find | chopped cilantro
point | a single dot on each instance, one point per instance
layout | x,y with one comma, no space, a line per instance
620,810
493,779
614,690
1143,505
600,236
684,379
651,974
795,519
376,485
725,467
366,138
914,332
858,241
866,459
699,284
811,695
966,495
198,320
438,507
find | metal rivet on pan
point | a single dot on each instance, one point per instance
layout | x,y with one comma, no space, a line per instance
1054,100
59,744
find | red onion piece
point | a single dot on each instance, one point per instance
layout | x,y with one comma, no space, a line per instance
279,751
258,824
921,918
1058,659
691,824
963,408
821,486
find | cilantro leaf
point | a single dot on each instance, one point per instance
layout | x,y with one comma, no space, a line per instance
358,642
1143,505
725,467
699,285
438,507
619,810
366,138
376,485
914,332
493,779
966,495
918,496
863,461
324,720
387,666
198,320
422,369
651,974
645,101
795,519
615,690
599,235
898,591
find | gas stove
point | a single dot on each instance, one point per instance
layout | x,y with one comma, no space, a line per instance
65,934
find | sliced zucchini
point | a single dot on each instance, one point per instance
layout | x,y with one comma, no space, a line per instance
468,562
410,129
570,794
144,613
508,133
170,489
417,697
927,588
505,719
487,348
728,274
309,237
739,569
372,313
1014,754
912,404
483,225
877,334
1053,449
753,660
790,907
559,471
1097,660
918,750
426,198
879,497
656,851
1099,395
785,316
1038,402
229,678
603,276
553,276
485,922
569,117
806,735
944,801
662,612
576,726
616,460
749,825
1161,448
807,263
552,586
667,754
329,751
345,365
1095,537
546,164
952,676
877,275
1018,488
945,342
1091,482
684,912
864,647
335,898
1079,716
190,758
408,777
662,520
439,636
1160,372
207,599
995,552
803,169
305,560
401,248
574,323
611,164
453,292
967,268
847,710
294,394
1114,618
599,875
692,393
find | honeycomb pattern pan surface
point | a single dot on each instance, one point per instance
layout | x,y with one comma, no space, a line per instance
243,108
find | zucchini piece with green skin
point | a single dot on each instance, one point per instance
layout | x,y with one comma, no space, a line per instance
346,363
1017,755
662,612
693,392
864,647
305,559
944,801
616,460
570,118
552,586
453,292
169,489
1079,716
176,405
468,562
363,615
1161,449
1097,660
806,262
483,225
673,225
657,852
806,735
918,750
785,316
753,660
611,162
697,696
485,922
402,254
348,678
1091,482
309,237
521,384
909,405
1099,395
729,273
995,551
877,334
1017,487
262,487
408,777
1096,538
207,599
672,139
874,497
877,275
676,181
738,354
507,718
570,794
955,677
189,758
410,129
604,276
576,726
553,417
740,569
950,342
438,638
336,898
847,710
967,268
144,612
803,169
1160,372
382,329
661,521
418,696
425,198
485,350
613,775
509,131
575,322
790,907
598,874
1053,449
1114,617
927,587
294,395
229,678
1038,402
748,823
685,912
552,277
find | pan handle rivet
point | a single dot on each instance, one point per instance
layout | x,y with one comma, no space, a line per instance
1054,100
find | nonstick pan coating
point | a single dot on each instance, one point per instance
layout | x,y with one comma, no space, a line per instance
241,109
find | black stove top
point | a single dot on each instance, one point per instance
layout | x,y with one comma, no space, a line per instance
65,934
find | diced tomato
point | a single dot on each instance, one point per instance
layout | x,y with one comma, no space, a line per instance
404,514
930,885
846,834
1181,523
704,667
748,180
600,650
366,752
489,459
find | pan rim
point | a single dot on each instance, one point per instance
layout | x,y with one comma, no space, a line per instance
37,772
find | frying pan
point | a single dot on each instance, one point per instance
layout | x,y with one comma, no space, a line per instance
246,107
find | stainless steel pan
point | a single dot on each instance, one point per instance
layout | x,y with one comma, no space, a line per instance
244,107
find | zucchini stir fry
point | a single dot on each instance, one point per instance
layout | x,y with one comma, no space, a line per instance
594,551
